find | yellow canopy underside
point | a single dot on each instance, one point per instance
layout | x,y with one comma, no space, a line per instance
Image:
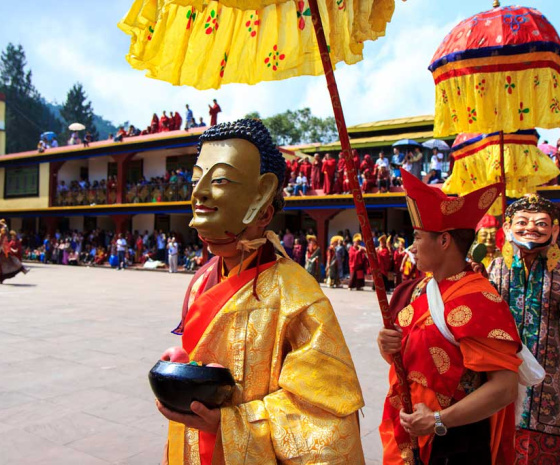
506,101
207,44
525,166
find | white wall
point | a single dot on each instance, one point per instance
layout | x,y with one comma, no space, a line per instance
76,222
143,222
346,219
98,168
154,164
70,171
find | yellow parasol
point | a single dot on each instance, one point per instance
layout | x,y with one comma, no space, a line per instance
205,44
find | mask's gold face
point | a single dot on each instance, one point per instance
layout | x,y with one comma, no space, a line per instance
228,189
487,236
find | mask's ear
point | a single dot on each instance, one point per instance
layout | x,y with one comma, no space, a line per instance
507,231
268,183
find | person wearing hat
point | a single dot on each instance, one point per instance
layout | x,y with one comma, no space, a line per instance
385,261
313,257
334,264
528,278
398,256
458,341
358,263
487,234
262,316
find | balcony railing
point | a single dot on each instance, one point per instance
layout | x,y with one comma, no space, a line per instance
147,193
165,192
88,196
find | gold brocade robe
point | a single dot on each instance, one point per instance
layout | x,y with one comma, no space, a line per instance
297,392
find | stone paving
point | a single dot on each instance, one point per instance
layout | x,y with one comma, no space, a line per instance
76,345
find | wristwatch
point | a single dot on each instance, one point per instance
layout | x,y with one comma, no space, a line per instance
439,428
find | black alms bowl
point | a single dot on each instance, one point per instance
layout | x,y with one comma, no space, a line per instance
176,385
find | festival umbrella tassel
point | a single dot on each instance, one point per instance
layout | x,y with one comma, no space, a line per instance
208,44
477,162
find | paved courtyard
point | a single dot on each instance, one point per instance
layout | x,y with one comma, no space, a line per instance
76,345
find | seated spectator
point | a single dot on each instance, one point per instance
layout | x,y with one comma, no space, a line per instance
432,177
121,134
290,188
383,178
396,162
201,123
62,187
54,143
42,145
73,258
173,177
100,256
87,139
301,185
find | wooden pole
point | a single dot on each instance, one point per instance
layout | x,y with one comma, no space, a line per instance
360,207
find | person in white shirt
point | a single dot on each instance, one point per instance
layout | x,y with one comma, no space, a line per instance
382,161
301,184
436,162
121,251
172,250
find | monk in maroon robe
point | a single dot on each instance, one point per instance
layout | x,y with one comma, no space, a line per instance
340,168
329,169
164,123
178,120
305,169
367,164
368,181
154,127
213,111
317,172
356,159
357,262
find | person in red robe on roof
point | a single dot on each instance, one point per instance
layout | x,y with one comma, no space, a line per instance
329,169
367,164
368,181
172,121
356,160
164,123
345,183
305,168
317,172
340,167
288,172
458,340
178,120
154,126
213,111
295,166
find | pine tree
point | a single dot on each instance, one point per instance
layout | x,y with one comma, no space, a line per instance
77,109
27,114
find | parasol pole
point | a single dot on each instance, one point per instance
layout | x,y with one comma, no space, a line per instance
361,209
503,174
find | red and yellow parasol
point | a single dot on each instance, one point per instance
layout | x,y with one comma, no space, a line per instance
477,163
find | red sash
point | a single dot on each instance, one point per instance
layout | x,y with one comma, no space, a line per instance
203,310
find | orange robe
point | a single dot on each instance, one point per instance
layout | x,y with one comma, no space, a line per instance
438,371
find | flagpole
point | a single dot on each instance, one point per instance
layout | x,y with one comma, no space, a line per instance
361,208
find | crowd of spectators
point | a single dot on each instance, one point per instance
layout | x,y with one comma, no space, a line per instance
105,248
328,175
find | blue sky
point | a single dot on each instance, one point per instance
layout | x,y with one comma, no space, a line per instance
69,41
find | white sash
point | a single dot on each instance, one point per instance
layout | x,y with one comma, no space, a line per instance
530,372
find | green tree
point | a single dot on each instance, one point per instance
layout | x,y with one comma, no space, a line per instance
77,109
27,113
299,127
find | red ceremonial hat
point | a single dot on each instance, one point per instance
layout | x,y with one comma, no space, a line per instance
487,221
431,210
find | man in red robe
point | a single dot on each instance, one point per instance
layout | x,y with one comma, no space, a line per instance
154,126
172,121
368,181
164,123
340,168
356,160
367,164
317,172
213,111
329,169
178,120
357,261
305,168
385,258
458,341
